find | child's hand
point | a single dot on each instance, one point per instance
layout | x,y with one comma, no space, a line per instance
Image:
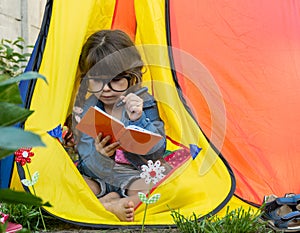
77,111
104,147
133,106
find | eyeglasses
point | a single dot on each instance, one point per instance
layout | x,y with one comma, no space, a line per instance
119,83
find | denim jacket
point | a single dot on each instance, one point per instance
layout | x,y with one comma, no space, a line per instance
101,165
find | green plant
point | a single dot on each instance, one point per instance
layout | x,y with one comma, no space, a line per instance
235,221
13,138
26,215
11,66
12,58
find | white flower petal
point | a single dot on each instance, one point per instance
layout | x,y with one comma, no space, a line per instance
162,169
148,180
157,163
143,175
150,163
144,168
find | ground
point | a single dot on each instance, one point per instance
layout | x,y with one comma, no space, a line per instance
58,226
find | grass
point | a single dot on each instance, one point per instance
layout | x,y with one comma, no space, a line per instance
26,215
235,221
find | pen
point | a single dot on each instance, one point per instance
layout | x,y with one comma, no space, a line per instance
138,92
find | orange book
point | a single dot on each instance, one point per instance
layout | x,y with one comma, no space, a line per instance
132,138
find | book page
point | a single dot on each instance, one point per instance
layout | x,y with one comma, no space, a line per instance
138,140
132,138
138,128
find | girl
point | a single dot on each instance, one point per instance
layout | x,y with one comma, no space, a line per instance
111,69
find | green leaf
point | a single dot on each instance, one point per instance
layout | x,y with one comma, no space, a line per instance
153,199
4,153
7,40
10,93
27,54
15,138
13,114
19,55
35,177
26,182
3,76
9,52
143,197
16,197
25,76
33,180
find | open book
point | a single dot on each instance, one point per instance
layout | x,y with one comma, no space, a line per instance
132,138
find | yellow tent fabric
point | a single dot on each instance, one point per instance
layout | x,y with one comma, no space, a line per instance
202,185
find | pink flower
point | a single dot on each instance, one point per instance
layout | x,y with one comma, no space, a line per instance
3,218
23,155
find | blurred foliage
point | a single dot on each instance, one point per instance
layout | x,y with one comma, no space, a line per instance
22,207
12,58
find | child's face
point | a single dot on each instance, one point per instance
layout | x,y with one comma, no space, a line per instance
109,91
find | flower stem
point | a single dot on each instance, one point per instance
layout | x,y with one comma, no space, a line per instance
33,189
145,211
30,179
144,218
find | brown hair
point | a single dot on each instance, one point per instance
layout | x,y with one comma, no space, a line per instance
108,53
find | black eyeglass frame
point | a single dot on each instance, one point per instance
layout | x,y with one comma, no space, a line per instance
107,81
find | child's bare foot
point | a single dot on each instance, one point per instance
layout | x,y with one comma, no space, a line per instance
122,208
109,197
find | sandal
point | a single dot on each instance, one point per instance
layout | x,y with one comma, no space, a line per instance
288,223
274,207
295,200
282,213
279,206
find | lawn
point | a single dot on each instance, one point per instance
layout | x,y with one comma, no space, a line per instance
236,221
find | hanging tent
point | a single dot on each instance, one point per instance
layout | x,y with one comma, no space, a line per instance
225,75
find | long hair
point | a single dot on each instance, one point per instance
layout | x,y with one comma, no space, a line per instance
106,53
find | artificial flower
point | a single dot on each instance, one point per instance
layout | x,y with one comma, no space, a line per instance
151,200
153,172
23,155
32,181
3,218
